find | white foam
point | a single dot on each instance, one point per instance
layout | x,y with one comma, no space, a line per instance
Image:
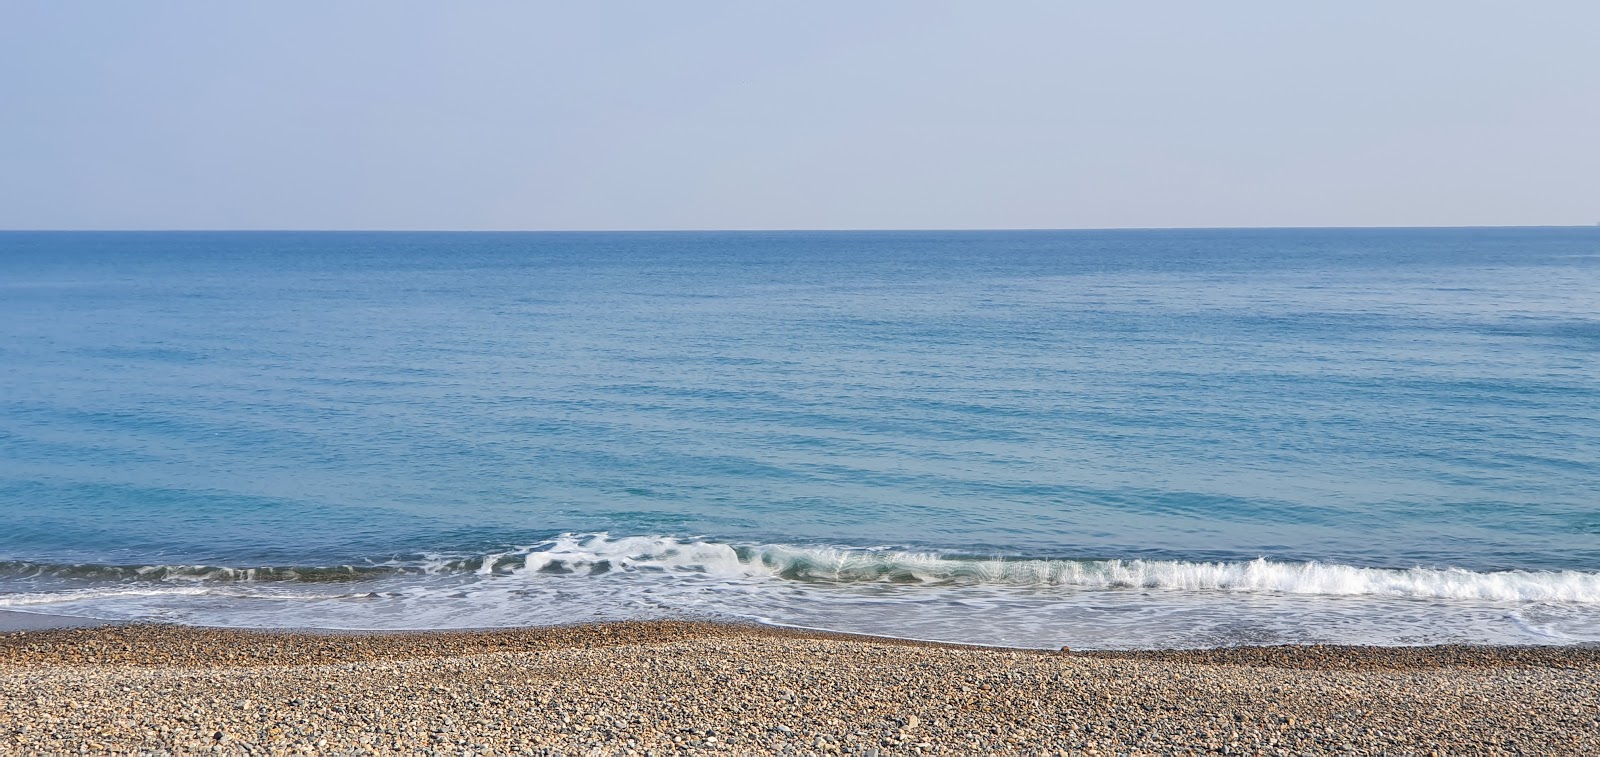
598,553
81,595
887,591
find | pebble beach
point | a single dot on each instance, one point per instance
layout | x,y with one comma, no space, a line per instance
688,687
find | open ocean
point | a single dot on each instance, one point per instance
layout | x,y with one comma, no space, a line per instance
1094,438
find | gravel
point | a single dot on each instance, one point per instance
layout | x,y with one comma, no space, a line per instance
679,687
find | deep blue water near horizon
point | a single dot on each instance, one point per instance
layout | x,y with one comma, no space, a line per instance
1103,438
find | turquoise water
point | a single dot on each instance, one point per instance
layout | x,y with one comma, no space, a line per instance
1096,438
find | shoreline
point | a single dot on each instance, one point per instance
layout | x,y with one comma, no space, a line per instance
12,621
68,640
680,686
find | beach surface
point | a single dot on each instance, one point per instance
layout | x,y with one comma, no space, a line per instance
671,687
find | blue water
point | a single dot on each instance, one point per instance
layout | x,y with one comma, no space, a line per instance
1102,438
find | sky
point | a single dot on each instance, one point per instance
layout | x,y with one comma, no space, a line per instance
822,114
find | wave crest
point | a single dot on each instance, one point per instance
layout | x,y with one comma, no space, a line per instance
598,553
582,555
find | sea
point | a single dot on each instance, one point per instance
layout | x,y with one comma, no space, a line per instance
1100,439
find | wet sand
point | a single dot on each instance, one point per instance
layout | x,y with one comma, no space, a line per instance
32,621
670,687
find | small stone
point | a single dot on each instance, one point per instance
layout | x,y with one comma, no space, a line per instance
712,688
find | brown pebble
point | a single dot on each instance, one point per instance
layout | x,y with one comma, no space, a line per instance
681,687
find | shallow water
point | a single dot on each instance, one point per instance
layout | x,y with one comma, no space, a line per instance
1130,438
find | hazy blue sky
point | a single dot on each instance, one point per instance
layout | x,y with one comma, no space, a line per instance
860,114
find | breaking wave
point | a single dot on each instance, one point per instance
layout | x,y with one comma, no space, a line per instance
943,596
601,554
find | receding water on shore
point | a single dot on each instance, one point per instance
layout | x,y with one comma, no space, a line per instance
921,595
1102,439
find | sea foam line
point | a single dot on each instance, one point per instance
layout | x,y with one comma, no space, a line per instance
600,555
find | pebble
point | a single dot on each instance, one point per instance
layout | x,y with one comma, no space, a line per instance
682,687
